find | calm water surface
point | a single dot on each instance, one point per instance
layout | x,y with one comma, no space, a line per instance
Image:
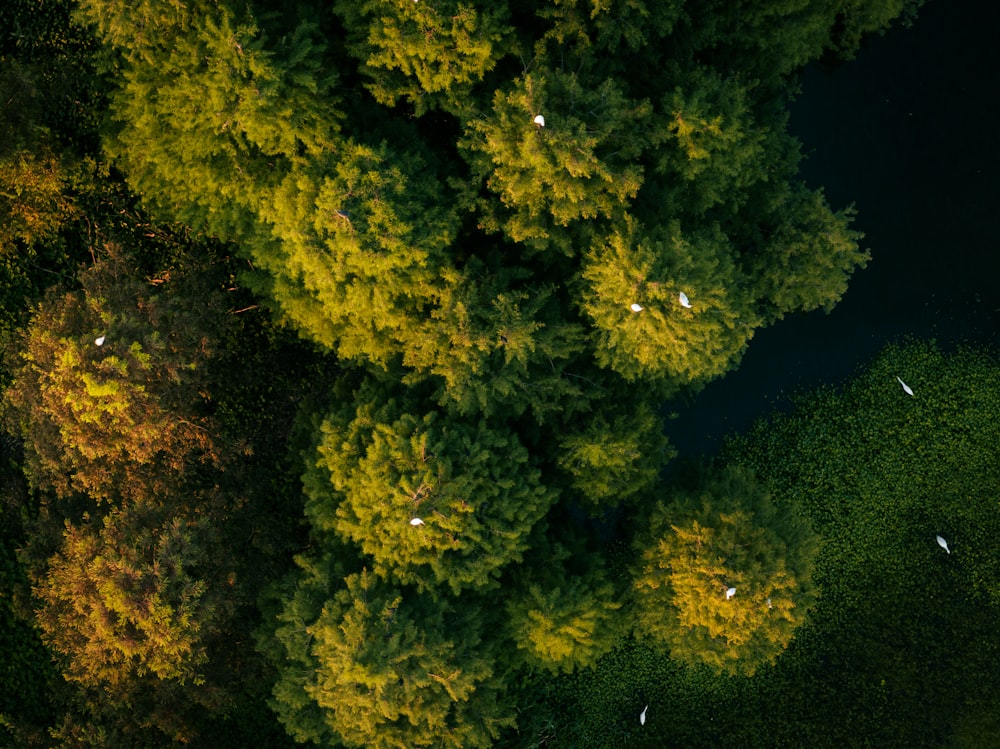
908,133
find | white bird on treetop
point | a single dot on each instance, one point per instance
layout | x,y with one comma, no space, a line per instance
906,388
685,302
943,544
642,716
416,521
539,120
635,307
99,341
730,593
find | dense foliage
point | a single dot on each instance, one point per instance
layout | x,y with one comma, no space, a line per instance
899,647
339,340
724,575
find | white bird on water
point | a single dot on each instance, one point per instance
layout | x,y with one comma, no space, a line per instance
943,544
685,302
635,307
99,341
539,120
642,716
906,388
730,593
416,521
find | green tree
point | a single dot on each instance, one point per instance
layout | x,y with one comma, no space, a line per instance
386,467
426,54
615,452
562,609
724,534
712,142
607,28
211,112
355,245
664,339
579,165
390,668
491,346
770,40
806,253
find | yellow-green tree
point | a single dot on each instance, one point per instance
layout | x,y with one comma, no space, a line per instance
579,165
386,668
432,501
562,610
630,288
724,575
614,452
426,53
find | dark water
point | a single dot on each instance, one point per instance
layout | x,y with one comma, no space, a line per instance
909,133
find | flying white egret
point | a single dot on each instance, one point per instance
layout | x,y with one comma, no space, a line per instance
906,388
730,593
685,302
635,307
642,716
539,120
99,341
943,544
416,521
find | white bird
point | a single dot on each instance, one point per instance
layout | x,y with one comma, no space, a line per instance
943,544
416,521
730,593
539,120
685,302
906,388
642,716
769,603
635,307
99,341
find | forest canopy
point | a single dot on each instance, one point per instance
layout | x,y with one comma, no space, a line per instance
340,341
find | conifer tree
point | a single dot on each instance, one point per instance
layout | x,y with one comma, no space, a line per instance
579,165
211,113
34,173
491,346
120,599
614,452
469,486
807,256
105,392
713,142
665,339
724,575
562,609
425,53
390,668
356,246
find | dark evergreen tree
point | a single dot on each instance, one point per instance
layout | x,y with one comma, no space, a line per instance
389,668
562,610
